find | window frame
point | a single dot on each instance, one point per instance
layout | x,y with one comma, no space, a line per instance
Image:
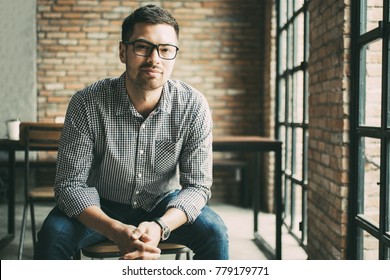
359,225
293,184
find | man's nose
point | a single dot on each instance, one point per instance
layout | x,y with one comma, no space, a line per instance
154,56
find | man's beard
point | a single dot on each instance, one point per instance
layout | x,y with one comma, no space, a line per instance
146,82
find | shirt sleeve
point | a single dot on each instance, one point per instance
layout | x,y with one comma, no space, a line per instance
74,160
196,165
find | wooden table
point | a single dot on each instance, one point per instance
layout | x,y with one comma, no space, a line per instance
259,145
10,146
253,144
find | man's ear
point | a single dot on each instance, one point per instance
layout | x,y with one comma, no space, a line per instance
122,52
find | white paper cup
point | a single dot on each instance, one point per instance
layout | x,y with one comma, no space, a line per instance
13,129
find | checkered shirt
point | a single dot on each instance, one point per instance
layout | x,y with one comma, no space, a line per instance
108,150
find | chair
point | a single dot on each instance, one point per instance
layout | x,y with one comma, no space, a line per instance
108,249
36,137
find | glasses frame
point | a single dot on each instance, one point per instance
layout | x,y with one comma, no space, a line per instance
153,46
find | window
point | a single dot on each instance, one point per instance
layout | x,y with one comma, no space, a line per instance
292,110
369,235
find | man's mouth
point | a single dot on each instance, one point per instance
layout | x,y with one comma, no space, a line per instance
151,70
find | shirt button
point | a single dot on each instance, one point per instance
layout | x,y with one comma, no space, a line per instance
139,175
135,203
143,126
137,192
141,152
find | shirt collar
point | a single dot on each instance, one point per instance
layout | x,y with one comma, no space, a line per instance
165,104
125,104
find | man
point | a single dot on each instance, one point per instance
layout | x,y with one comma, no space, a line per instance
135,157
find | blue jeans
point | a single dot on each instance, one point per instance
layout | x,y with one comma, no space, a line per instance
62,237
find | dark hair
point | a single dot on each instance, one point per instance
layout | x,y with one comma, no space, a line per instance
147,14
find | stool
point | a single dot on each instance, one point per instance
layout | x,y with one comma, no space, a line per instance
108,249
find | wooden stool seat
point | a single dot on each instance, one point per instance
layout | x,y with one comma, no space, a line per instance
42,193
108,249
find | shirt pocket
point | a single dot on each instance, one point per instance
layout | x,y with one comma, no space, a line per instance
166,156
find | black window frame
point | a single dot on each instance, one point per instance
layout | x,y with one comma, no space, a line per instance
293,183
358,223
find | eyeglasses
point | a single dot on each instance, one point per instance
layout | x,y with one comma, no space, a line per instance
145,49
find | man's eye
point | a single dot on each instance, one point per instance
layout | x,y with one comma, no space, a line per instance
142,47
166,49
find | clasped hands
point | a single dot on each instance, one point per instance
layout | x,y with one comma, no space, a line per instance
139,243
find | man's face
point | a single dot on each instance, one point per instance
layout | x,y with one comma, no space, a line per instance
148,73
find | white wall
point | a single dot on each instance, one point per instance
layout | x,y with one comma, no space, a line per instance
17,61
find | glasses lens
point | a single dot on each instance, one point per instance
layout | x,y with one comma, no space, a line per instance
145,49
142,48
167,51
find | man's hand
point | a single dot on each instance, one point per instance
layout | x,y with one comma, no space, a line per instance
145,239
133,243
136,243
148,232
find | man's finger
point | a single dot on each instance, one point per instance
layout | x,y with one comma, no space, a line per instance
136,255
137,233
144,252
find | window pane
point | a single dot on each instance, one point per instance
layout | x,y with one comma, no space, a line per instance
299,39
372,13
287,200
282,101
370,247
288,148
298,164
283,12
298,4
298,113
282,136
291,50
297,208
369,166
283,52
290,99
370,91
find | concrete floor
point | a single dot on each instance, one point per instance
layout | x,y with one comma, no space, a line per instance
238,220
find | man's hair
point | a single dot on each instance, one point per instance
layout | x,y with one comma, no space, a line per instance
147,14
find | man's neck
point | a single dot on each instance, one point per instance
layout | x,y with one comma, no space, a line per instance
144,101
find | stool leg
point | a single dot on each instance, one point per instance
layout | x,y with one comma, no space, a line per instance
23,230
178,256
33,229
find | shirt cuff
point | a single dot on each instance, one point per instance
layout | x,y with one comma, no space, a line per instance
190,201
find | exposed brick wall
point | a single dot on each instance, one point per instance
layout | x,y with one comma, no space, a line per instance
329,87
221,54
220,42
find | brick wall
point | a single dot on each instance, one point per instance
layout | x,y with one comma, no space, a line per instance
221,54
328,133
